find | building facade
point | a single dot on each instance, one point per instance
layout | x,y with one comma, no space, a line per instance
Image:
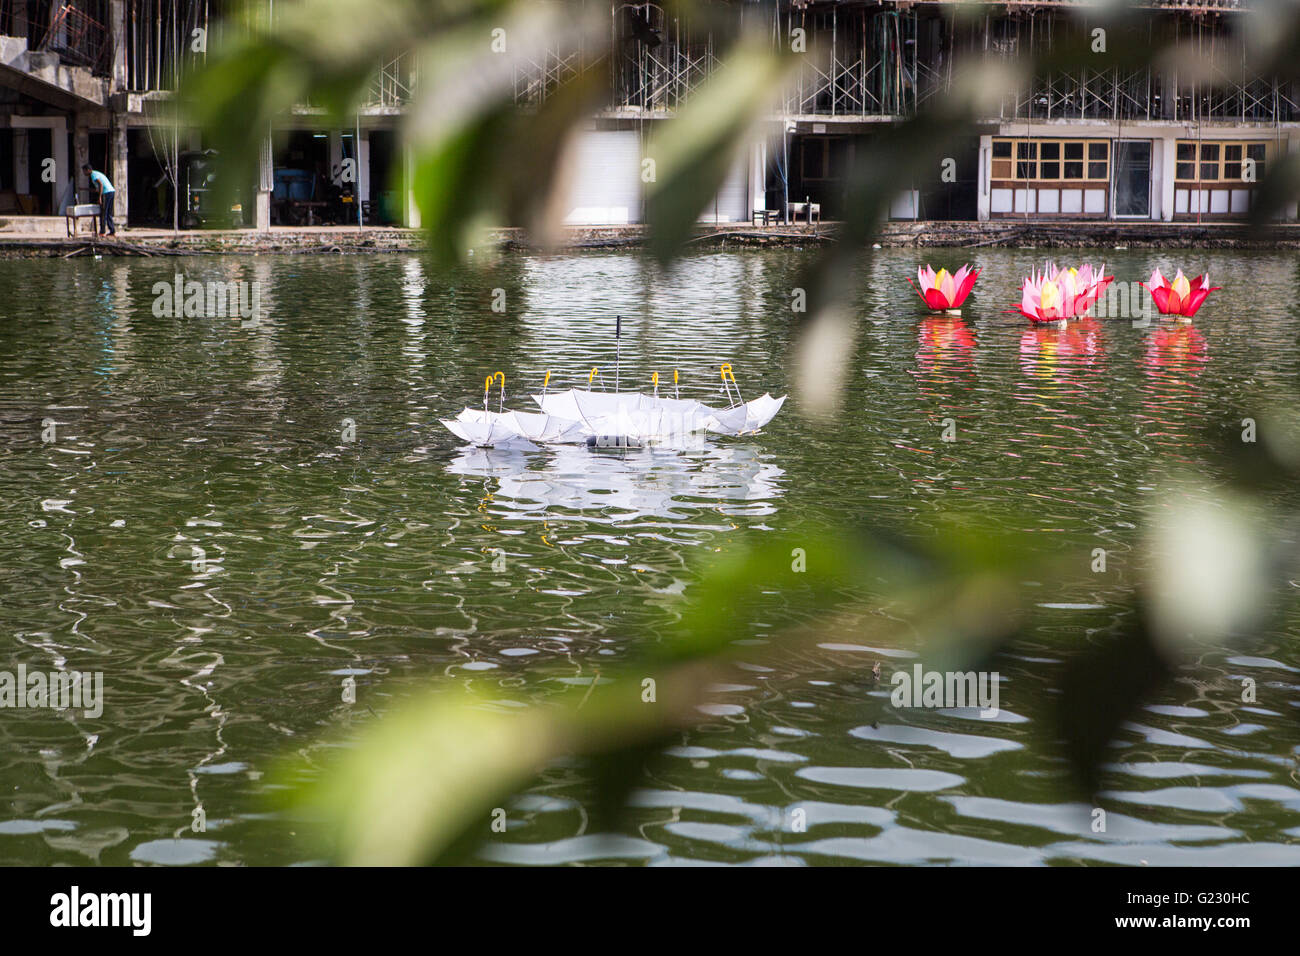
90,81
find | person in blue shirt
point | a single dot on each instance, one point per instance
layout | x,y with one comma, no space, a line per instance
100,182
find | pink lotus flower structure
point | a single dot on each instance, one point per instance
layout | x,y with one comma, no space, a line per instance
1057,294
1180,297
944,290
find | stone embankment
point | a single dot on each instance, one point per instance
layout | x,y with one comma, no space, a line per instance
350,240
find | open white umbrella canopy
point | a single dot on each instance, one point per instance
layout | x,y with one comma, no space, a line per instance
747,418
575,415
485,432
649,418
579,404
534,426
760,411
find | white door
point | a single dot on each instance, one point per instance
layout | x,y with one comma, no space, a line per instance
607,179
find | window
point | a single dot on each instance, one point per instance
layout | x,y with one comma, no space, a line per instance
1051,160
1049,165
1256,153
1215,162
1099,160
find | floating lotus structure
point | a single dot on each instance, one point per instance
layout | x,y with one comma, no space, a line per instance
1182,297
1057,295
615,419
943,291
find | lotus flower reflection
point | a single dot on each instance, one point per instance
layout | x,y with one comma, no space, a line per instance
942,290
1054,295
1182,296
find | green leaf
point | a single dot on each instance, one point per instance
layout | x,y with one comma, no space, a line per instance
696,150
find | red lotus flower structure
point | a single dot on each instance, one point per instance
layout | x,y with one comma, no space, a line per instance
1180,297
1057,294
943,290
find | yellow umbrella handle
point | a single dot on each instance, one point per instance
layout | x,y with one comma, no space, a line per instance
547,381
594,372
728,374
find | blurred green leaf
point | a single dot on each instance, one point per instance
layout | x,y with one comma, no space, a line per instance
1103,687
693,154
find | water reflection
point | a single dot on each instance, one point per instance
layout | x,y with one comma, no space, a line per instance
1175,350
402,555
620,486
1052,352
1175,355
945,351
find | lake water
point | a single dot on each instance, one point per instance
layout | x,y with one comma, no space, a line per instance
323,558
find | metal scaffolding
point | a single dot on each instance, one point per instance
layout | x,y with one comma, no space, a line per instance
160,41
886,58
879,59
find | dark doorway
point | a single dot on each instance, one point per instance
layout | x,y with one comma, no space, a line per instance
7,160
819,170
385,178
301,160
40,147
952,191
147,188
1133,179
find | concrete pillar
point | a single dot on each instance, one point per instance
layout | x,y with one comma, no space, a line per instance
757,178
67,176
1168,167
363,168
117,26
983,186
81,146
1291,211
22,175
412,211
118,158
265,183
336,156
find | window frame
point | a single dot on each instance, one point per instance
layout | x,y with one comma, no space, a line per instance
1221,162
1017,167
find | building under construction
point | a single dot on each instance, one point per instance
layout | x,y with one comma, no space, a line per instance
88,81
92,81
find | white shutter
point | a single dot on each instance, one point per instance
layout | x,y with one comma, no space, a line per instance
732,201
607,179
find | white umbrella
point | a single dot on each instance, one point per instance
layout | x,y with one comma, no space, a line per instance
541,428
613,419
579,403
756,414
650,418
484,432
